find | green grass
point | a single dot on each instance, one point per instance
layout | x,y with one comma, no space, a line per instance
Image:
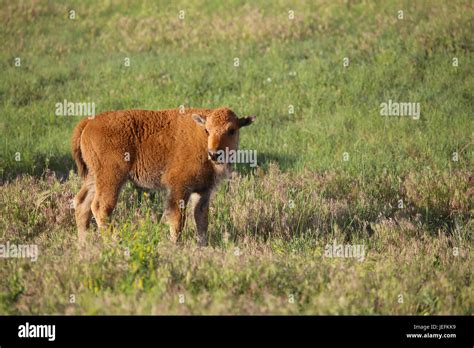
410,250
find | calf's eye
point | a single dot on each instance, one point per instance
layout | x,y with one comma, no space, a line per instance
231,131
206,131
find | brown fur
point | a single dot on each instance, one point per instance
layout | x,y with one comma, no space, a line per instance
154,149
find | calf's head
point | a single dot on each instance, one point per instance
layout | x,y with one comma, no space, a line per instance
222,128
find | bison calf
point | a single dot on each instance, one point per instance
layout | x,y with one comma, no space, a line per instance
155,149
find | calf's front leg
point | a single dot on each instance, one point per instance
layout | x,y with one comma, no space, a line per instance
201,215
175,213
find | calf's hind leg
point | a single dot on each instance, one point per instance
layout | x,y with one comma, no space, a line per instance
175,213
107,190
82,205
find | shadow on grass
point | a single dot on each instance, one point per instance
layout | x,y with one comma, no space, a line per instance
39,165
264,159
63,164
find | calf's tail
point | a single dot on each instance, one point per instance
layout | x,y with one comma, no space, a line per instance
76,148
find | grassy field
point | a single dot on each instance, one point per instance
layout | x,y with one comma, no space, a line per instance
332,171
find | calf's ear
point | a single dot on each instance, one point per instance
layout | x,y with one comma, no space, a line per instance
199,119
246,121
